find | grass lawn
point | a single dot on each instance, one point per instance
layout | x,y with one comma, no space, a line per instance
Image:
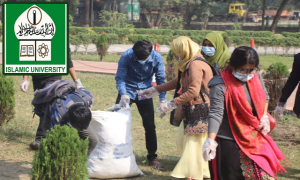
16,156
265,61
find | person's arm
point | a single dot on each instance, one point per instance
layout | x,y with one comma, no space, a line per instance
266,92
25,78
24,84
160,77
121,74
73,74
195,80
292,81
216,112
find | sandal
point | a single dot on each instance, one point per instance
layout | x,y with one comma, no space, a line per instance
156,164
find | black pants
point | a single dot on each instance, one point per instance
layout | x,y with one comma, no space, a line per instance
227,161
41,131
146,110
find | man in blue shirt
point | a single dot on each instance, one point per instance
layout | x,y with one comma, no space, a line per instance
136,68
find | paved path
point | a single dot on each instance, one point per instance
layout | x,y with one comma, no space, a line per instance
164,49
111,68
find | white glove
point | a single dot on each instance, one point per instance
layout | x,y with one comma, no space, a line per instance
209,149
24,85
149,93
278,111
78,84
264,125
165,108
125,99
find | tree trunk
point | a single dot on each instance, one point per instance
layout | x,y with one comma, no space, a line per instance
278,14
159,16
205,22
187,15
131,10
245,16
87,13
105,5
114,6
119,6
263,14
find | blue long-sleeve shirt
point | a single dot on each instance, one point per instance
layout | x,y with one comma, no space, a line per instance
132,75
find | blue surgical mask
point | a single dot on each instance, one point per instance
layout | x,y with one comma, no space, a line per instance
143,61
242,77
179,59
209,51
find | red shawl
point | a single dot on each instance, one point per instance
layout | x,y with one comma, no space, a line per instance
258,147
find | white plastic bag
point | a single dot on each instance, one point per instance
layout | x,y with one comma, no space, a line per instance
113,156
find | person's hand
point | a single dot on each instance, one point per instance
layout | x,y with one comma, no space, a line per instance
165,108
78,84
149,93
24,85
209,149
278,111
125,99
264,125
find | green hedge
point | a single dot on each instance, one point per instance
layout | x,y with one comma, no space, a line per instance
291,34
75,30
248,33
191,32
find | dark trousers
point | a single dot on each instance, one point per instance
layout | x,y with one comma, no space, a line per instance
228,165
146,110
41,131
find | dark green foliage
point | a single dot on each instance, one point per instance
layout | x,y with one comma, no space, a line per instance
76,41
62,155
277,71
275,79
191,32
170,66
107,30
249,33
7,99
102,44
291,34
76,30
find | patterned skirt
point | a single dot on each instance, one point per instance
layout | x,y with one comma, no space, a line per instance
231,163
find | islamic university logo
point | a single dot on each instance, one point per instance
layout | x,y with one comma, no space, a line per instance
35,38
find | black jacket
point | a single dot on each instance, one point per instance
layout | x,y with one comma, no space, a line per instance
291,84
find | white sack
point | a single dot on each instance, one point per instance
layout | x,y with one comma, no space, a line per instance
113,156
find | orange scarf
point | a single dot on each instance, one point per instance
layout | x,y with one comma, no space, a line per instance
258,147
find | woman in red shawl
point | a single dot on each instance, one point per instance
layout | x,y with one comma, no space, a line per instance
239,123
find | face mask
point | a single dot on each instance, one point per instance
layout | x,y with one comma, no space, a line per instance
179,59
209,51
242,77
143,61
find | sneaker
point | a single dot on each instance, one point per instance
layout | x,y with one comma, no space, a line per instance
35,145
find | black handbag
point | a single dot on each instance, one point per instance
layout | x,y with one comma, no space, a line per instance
196,117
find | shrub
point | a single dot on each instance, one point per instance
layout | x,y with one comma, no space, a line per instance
7,99
76,41
114,19
170,66
291,34
86,39
275,79
249,33
61,155
191,32
107,30
76,30
102,45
